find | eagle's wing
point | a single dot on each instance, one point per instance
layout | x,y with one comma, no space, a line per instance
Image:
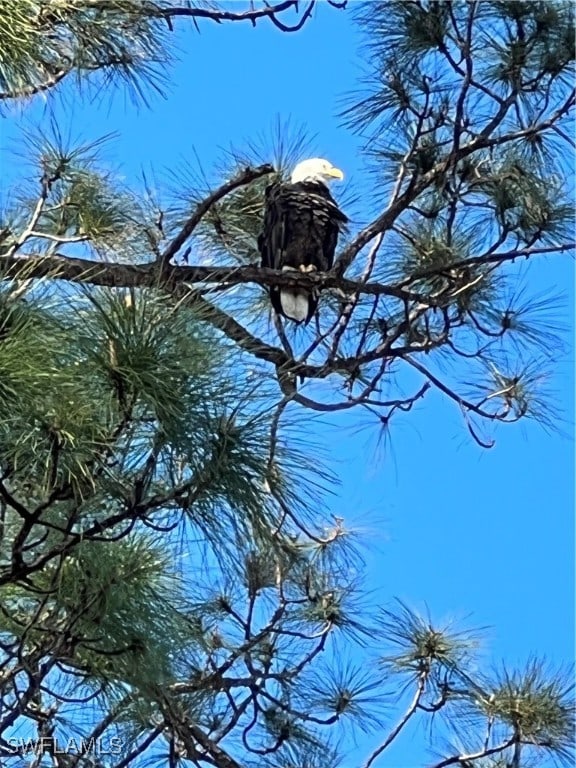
331,221
272,239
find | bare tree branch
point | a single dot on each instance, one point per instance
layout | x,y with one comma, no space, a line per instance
217,15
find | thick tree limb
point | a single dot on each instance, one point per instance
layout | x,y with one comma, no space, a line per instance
230,327
116,275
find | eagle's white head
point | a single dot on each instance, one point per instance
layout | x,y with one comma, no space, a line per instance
315,169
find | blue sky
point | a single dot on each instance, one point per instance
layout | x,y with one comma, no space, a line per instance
482,535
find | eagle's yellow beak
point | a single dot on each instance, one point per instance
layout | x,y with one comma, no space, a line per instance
335,173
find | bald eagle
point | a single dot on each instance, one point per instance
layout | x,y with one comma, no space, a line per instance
300,231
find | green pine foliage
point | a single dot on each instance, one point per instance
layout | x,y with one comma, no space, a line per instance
169,575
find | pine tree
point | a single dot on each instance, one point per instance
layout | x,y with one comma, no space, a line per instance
169,591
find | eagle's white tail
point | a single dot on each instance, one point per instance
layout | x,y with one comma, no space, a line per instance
295,305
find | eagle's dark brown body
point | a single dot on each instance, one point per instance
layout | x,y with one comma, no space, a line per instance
301,226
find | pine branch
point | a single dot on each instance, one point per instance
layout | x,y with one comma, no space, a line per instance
466,759
242,178
485,139
270,12
33,90
115,275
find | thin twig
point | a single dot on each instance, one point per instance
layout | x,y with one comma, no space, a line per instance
400,725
